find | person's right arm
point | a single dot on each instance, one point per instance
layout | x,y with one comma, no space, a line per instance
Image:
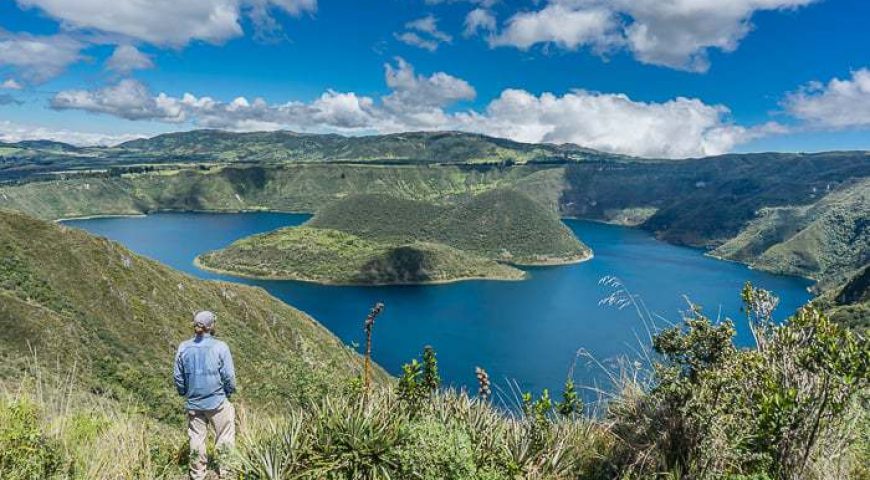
178,374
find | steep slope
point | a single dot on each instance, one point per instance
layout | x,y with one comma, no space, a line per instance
501,224
827,240
72,299
849,302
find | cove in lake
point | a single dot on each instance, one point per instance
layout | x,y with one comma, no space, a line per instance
528,331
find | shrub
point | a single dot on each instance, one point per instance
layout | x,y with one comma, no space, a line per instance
783,408
437,450
25,452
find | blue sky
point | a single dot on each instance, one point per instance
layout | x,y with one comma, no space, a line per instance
671,78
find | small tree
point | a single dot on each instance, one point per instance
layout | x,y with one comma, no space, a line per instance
571,404
431,379
410,389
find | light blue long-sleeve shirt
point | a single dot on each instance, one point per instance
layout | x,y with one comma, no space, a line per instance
204,372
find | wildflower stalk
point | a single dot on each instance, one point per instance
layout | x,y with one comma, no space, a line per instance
369,325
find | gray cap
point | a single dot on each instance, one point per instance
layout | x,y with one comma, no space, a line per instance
204,319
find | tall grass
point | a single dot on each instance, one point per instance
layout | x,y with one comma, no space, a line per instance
58,431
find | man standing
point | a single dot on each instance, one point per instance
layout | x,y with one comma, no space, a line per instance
205,375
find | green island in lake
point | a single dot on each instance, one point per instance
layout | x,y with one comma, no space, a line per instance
379,239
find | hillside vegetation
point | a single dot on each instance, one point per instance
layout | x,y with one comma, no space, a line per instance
500,224
74,300
378,239
24,159
789,408
331,256
828,240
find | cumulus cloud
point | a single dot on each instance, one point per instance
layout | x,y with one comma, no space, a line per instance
479,19
424,33
672,33
37,58
127,58
560,25
681,127
16,132
839,104
165,22
11,84
127,99
677,128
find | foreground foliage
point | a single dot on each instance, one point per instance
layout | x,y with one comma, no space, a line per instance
792,407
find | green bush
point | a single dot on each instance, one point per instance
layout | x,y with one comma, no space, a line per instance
437,451
785,408
25,452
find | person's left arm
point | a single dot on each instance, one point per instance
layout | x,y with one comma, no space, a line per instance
179,375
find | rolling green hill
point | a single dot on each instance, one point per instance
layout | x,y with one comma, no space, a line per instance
330,256
71,299
504,225
379,239
410,147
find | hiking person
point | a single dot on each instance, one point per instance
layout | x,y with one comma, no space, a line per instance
205,376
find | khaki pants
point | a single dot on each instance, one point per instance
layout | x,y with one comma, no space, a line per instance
223,419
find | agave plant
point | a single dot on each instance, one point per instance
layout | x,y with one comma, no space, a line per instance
359,440
278,450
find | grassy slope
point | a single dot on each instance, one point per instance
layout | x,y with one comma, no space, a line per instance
849,302
303,188
331,256
828,240
410,147
499,224
83,300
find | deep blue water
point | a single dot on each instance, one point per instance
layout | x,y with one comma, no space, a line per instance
528,332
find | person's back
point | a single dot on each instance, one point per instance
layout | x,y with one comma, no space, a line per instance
205,376
208,377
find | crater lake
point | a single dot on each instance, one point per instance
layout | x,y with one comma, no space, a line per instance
525,333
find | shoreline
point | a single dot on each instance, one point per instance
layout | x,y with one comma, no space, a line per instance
707,253
198,264
556,263
99,216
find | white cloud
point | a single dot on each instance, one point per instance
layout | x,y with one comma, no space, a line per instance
424,33
37,58
839,104
411,38
165,22
127,58
410,91
479,19
561,25
672,33
16,132
681,127
127,99
679,33
11,84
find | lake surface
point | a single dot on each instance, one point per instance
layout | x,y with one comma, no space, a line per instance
527,332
